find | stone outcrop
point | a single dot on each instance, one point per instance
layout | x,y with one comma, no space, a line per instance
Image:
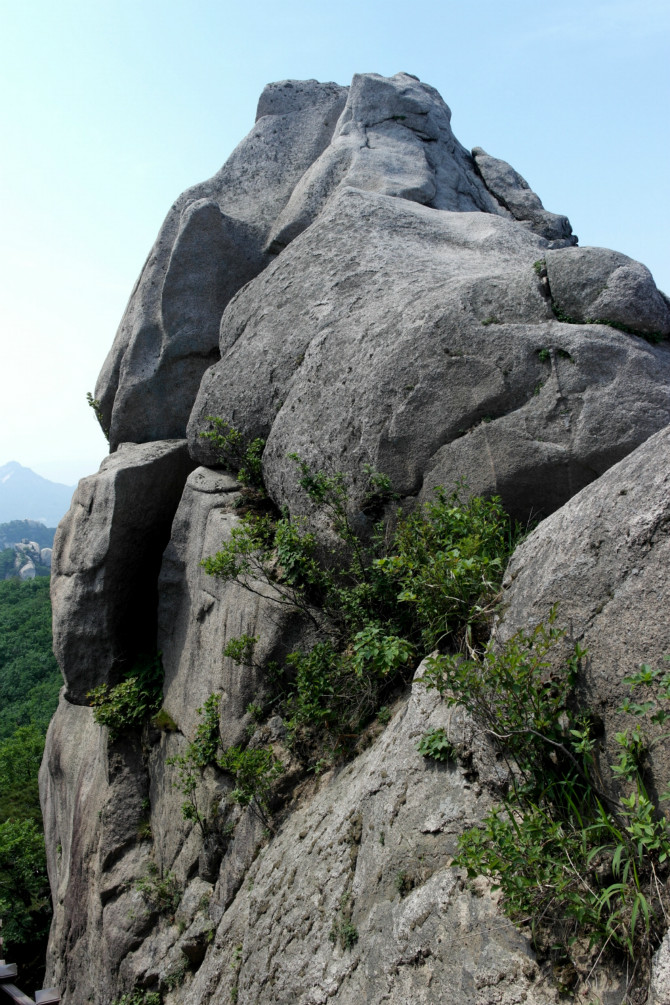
424,344
355,287
514,193
210,245
595,284
106,556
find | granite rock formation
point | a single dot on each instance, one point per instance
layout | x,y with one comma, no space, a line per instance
356,287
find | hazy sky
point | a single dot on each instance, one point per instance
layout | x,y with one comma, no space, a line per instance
112,107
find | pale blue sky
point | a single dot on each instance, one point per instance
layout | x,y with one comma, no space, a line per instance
110,108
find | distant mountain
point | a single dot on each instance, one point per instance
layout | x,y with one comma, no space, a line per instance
27,496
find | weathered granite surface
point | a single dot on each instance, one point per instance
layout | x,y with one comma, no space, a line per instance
210,245
197,613
106,556
424,343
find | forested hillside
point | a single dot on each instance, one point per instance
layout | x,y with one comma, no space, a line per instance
29,684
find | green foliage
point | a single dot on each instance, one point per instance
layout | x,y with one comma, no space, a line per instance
129,704
25,902
255,769
241,649
95,405
29,676
202,751
7,566
448,561
139,997
20,759
374,600
164,721
343,932
33,530
575,863
29,684
435,746
161,893
235,453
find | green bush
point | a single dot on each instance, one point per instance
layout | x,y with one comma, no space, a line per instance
448,560
131,703
236,454
576,863
436,747
375,601
255,769
139,997
161,893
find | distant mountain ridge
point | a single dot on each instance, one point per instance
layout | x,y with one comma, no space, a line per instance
25,495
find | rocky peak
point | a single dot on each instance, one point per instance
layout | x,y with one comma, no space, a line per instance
353,287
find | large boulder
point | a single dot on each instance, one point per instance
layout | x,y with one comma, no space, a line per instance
603,559
515,194
210,245
424,343
599,285
106,557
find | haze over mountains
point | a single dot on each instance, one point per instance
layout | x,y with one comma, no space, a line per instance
25,495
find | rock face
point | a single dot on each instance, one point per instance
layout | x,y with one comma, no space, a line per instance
425,344
210,245
105,563
604,559
197,613
355,287
590,284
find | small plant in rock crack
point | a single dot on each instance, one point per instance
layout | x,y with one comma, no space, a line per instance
139,997
235,453
436,747
95,405
131,703
343,932
581,866
161,893
202,751
176,976
254,770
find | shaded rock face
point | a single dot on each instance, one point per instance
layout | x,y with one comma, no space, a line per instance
106,556
356,287
514,193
